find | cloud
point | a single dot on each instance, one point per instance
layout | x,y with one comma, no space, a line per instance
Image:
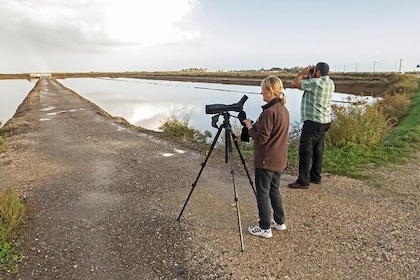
97,25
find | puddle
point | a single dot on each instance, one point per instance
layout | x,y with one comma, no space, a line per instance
49,108
55,113
172,154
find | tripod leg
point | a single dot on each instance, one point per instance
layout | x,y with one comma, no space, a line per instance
232,171
201,170
244,165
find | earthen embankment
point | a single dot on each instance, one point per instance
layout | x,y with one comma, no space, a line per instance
104,199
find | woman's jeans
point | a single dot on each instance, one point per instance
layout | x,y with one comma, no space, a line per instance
268,197
311,151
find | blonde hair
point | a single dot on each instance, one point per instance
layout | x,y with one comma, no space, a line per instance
275,86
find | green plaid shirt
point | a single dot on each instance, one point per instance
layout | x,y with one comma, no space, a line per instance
316,100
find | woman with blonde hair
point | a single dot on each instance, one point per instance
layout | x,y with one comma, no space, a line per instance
270,134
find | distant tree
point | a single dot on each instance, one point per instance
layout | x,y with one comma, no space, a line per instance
195,70
296,69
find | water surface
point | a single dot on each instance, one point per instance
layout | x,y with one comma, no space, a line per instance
12,93
147,103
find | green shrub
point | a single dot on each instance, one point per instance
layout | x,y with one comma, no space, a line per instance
358,124
404,84
403,142
396,101
293,147
395,107
174,128
12,212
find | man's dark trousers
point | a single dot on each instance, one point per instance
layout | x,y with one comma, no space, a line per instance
311,151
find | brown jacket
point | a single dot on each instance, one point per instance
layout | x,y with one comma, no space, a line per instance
271,135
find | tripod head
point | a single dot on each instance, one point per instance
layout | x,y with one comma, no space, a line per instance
223,109
215,119
226,124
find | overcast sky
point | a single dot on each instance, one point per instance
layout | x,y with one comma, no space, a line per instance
155,35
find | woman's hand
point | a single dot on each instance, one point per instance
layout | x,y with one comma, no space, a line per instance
247,123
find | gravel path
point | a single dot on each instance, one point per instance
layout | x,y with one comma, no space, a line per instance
104,200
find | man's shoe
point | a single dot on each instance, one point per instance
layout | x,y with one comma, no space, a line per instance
296,185
277,226
257,231
315,182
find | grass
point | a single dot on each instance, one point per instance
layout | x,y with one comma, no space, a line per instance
12,213
402,142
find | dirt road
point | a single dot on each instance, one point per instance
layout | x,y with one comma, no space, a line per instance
104,200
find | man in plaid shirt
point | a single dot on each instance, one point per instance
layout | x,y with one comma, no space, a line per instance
316,116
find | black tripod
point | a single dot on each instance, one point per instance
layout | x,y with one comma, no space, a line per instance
229,137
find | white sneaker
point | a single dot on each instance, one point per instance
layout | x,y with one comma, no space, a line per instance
277,226
256,230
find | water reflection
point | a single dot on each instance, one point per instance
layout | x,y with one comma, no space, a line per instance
148,103
12,93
